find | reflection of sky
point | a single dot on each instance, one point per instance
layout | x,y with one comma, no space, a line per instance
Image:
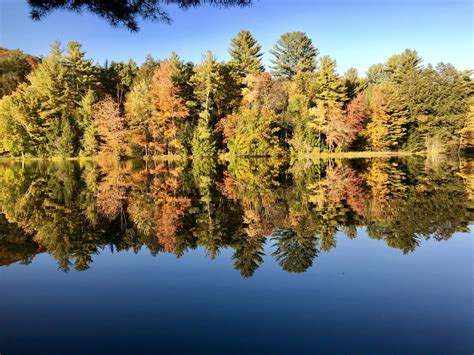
361,297
356,32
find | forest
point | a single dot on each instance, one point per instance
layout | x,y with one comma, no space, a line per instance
65,105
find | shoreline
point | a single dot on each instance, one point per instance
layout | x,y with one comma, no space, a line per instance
227,157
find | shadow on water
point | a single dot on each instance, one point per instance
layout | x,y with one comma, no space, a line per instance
72,210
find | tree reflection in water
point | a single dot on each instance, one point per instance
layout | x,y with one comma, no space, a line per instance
72,210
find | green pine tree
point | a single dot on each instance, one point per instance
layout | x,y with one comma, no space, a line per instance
294,52
246,55
203,143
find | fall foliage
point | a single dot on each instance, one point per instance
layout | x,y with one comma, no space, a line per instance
67,106
169,108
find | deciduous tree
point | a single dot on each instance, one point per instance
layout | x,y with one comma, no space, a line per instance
110,126
169,108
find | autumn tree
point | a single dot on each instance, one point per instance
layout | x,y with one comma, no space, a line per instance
263,92
227,126
467,132
400,105
254,128
16,139
357,114
110,126
334,126
255,134
169,107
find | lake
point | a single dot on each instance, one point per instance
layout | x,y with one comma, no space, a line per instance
251,256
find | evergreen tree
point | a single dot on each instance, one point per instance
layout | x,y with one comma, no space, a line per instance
467,132
294,253
80,75
118,78
48,86
89,143
146,71
85,122
203,143
208,83
330,88
182,74
400,65
294,52
65,141
328,117
376,74
354,84
139,112
248,255
246,55
387,126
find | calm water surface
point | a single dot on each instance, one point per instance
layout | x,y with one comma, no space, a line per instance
260,256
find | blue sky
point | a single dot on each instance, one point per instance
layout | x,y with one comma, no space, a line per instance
356,33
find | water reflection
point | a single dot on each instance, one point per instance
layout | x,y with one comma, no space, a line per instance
72,210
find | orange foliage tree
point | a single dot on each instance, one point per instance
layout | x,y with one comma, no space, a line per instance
169,207
227,126
169,107
357,112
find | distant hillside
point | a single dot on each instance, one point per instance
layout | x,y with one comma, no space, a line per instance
14,69
32,60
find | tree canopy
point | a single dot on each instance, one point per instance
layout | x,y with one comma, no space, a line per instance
124,12
68,106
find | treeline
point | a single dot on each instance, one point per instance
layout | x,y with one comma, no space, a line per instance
69,106
72,210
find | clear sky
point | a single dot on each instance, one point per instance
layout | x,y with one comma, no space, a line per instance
356,33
